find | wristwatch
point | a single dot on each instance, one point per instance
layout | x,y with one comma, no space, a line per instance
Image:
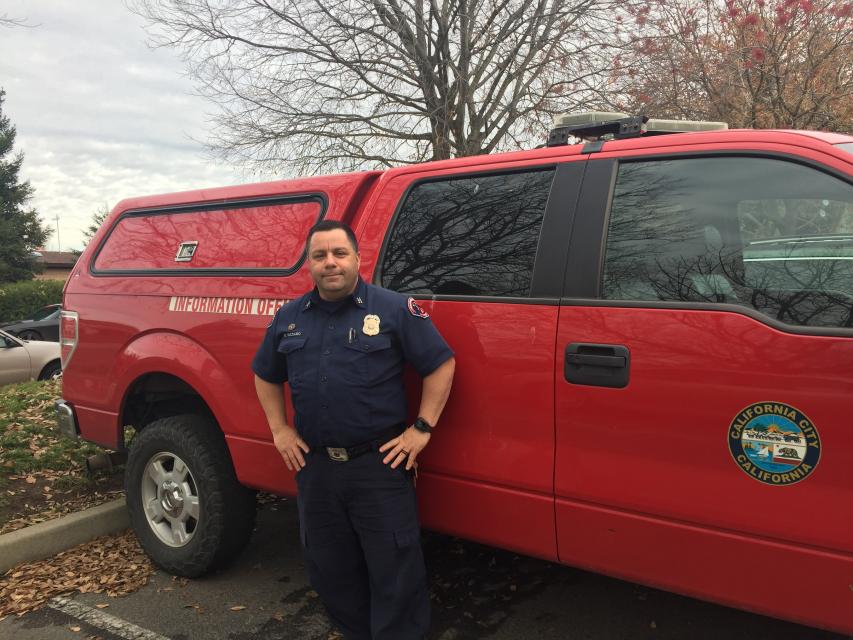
422,425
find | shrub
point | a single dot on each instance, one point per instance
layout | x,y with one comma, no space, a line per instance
20,299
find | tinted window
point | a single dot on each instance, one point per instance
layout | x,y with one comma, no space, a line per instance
772,235
468,236
46,313
265,236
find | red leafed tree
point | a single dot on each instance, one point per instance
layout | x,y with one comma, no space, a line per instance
751,63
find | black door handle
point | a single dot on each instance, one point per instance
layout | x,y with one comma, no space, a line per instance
592,360
600,365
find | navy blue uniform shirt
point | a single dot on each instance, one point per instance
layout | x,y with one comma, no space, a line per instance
344,361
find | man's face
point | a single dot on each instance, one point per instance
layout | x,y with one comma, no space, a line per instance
333,263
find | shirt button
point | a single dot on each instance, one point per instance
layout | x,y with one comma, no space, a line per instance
323,379
327,352
331,326
324,407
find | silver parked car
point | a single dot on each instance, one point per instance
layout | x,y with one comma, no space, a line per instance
21,360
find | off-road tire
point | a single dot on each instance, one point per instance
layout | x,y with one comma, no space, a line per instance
226,508
51,370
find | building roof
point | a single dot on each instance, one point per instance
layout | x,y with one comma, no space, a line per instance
56,259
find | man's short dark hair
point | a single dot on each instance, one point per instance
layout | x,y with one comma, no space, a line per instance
330,225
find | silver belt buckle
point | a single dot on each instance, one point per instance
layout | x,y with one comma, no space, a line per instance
338,454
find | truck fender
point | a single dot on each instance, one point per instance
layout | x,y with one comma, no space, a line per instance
174,354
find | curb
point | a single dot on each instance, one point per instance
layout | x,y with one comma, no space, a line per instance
45,539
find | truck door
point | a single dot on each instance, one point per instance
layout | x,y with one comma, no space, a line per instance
469,248
704,380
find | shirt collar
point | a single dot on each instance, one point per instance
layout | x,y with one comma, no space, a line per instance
359,296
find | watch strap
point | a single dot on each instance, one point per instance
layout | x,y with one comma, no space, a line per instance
422,425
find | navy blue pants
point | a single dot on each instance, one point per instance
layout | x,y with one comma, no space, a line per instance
361,540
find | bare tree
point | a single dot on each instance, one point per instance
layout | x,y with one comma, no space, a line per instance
10,22
751,63
349,84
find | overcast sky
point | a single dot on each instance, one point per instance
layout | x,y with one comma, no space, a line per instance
100,116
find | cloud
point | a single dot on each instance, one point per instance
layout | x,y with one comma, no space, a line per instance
100,115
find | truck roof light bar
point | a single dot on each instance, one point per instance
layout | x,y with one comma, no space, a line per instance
661,127
605,125
595,125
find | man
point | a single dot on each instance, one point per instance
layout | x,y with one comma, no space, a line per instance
342,348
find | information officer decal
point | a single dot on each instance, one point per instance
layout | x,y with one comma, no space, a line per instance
774,443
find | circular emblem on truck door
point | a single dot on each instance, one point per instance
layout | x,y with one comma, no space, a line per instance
774,443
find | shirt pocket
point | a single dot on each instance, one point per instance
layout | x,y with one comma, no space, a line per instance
293,349
368,359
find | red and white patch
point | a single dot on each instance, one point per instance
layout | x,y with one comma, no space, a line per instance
415,309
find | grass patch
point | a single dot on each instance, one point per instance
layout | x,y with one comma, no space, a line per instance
43,474
30,443
29,440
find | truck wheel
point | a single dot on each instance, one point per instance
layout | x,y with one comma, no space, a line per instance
187,508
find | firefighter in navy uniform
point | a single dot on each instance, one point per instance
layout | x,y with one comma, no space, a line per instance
342,349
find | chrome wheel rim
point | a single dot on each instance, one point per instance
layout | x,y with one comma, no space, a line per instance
170,499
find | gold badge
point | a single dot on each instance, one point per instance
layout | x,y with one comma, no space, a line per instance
291,327
371,325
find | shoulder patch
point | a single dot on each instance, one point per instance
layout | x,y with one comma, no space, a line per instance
415,309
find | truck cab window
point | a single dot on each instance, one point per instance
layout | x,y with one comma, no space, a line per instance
470,236
763,233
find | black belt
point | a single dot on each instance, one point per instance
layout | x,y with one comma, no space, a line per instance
343,454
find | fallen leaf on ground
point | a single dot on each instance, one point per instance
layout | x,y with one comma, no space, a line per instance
59,507
30,586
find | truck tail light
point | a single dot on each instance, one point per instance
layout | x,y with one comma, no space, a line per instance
67,336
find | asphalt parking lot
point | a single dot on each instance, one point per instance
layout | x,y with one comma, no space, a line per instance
478,593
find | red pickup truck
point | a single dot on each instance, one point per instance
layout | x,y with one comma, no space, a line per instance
653,336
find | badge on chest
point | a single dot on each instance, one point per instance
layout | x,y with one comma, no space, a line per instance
371,325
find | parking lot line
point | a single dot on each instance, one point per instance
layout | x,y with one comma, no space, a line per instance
103,621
